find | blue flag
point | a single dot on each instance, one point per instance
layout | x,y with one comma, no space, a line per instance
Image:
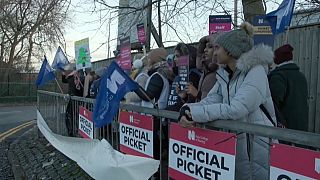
60,59
114,84
46,73
283,14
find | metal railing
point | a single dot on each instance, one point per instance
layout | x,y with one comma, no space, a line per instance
52,106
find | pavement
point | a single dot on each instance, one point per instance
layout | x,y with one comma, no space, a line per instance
32,157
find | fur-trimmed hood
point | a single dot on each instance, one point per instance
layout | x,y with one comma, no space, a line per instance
258,55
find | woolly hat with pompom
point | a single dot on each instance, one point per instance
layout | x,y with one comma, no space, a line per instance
238,41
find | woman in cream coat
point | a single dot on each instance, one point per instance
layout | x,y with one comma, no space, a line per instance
241,87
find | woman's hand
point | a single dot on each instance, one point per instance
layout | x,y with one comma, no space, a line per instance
185,117
181,94
185,122
190,89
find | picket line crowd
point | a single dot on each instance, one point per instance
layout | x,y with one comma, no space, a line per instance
228,78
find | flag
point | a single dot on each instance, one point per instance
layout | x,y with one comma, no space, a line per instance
283,14
45,74
114,84
60,59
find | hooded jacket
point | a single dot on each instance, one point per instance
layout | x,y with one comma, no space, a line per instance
289,91
238,99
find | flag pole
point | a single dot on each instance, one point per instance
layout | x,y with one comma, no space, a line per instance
59,85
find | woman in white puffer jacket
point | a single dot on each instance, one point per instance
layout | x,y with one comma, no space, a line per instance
241,87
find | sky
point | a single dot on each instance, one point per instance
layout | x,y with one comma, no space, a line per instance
85,23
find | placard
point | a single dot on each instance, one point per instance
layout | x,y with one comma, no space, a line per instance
141,33
124,59
219,23
196,153
83,59
262,31
85,123
291,163
136,134
183,72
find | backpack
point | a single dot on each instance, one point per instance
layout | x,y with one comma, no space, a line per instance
281,122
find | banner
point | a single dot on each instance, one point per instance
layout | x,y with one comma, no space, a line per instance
219,23
136,134
201,153
98,158
291,163
124,59
141,33
86,129
82,54
183,71
262,31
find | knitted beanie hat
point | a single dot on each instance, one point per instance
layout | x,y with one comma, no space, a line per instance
157,55
137,64
283,54
238,41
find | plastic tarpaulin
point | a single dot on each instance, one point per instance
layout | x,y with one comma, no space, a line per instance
98,158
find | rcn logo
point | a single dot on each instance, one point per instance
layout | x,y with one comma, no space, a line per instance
191,135
131,119
115,79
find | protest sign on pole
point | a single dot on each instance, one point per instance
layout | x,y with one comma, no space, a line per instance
262,31
124,59
287,162
183,71
141,33
85,123
136,134
219,23
82,54
196,153
142,36
173,96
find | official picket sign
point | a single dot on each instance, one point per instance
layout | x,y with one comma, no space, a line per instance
85,123
291,163
136,134
201,153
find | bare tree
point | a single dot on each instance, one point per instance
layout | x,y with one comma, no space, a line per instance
27,25
182,20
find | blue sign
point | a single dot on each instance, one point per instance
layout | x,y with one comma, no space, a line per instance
263,31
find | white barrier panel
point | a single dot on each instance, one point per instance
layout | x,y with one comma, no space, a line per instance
98,158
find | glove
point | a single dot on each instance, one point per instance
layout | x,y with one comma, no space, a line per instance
185,111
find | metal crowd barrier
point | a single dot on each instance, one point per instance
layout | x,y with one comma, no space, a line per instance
53,106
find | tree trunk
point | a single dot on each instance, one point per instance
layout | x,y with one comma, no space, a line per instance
252,8
27,69
11,59
2,50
